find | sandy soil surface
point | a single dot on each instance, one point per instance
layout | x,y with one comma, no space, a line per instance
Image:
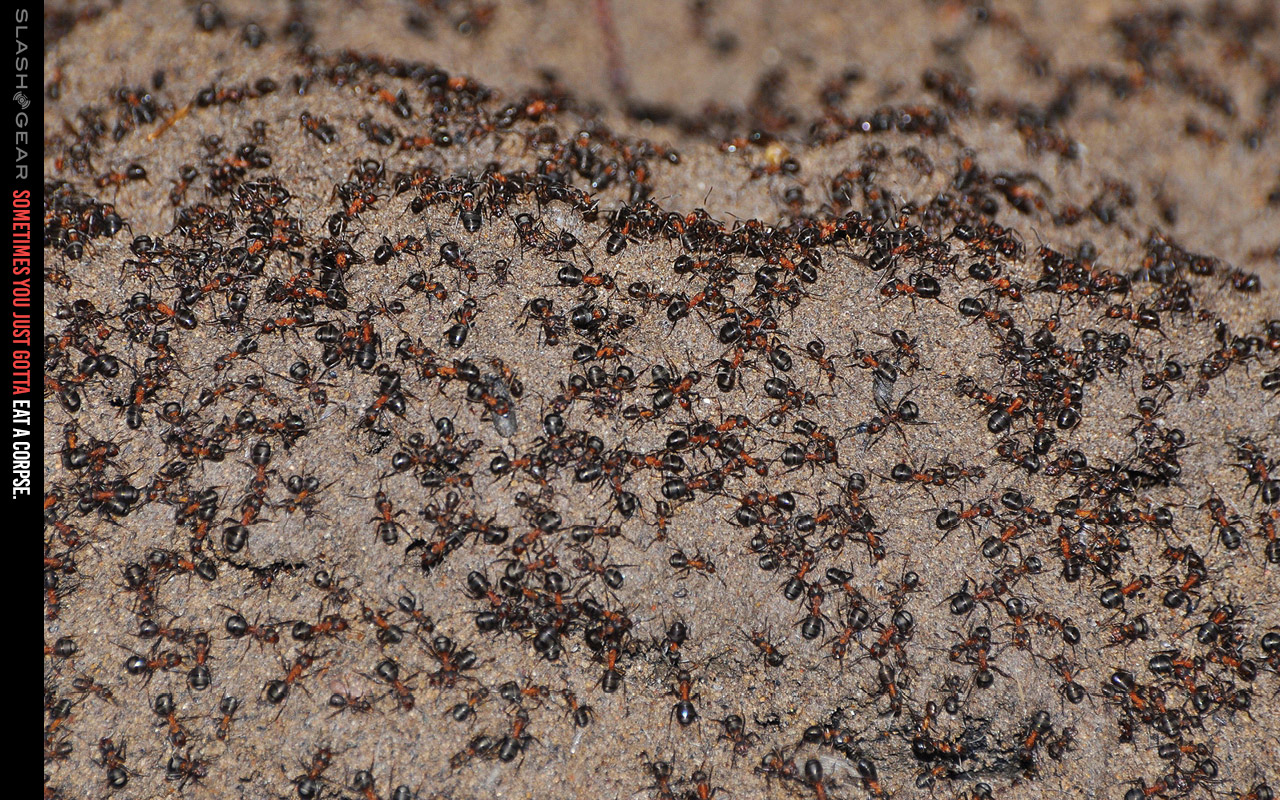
453,399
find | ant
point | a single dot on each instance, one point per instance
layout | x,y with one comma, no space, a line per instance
772,656
133,172
684,711
581,714
388,528
453,661
949,519
303,491
698,563
661,773
318,127
735,733
464,711
302,376
906,412
277,691
184,768
388,671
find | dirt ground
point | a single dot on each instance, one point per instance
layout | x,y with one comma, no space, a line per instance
665,399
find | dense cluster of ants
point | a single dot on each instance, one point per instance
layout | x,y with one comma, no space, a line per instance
471,461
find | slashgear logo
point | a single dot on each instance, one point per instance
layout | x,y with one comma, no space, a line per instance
22,121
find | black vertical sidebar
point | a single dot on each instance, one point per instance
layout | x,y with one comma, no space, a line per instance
24,250
23,358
